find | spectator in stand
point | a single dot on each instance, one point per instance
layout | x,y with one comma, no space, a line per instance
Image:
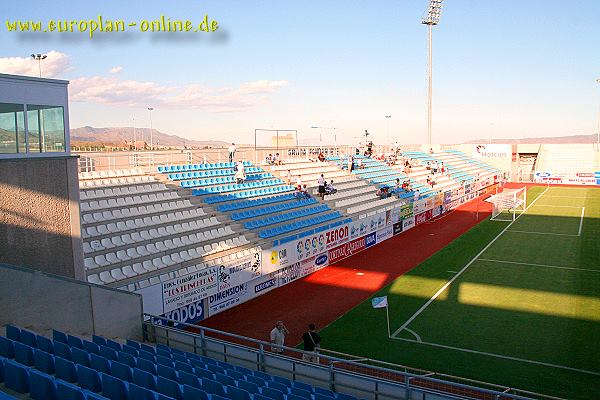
431,150
298,192
428,166
442,168
299,181
360,164
321,183
288,177
231,151
305,193
350,163
240,173
329,189
398,186
269,159
383,192
417,195
321,157
277,159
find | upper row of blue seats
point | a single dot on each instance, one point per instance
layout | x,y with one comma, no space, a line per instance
257,212
149,373
209,173
236,186
282,217
246,194
222,179
197,167
238,205
278,230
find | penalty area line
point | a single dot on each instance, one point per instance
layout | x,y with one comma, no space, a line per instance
496,355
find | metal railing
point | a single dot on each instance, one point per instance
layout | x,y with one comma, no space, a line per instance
362,377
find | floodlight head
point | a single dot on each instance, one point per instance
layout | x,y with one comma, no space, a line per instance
44,57
33,56
434,12
598,80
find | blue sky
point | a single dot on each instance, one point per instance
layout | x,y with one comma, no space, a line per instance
501,68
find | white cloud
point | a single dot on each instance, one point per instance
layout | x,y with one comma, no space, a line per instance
115,70
54,65
131,93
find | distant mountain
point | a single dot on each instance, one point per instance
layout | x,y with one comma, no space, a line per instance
120,135
585,139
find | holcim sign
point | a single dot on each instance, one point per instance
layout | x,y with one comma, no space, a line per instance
492,151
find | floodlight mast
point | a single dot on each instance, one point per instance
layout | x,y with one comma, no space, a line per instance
432,18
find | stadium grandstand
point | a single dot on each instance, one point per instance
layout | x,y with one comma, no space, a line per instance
122,273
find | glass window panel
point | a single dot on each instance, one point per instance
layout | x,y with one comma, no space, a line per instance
12,132
51,127
33,129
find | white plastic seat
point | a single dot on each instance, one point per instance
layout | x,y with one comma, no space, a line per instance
147,265
161,246
133,253
107,243
121,226
193,253
177,242
117,274
123,256
108,228
88,219
111,258
136,237
96,245
101,260
145,235
151,248
142,251
129,270
171,230
117,241
167,260
169,244
106,277
130,224
94,279
89,263
154,280
127,239
87,248
158,263
175,258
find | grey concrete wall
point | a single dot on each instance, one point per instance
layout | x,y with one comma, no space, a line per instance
39,215
40,301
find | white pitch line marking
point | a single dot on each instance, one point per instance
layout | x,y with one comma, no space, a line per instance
568,197
550,205
584,371
542,233
539,265
581,221
435,296
415,334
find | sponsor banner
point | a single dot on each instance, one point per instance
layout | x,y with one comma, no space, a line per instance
346,250
439,200
447,196
420,218
371,239
265,284
452,204
396,215
289,274
398,228
429,203
369,224
408,223
188,289
228,298
406,210
578,178
492,151
388,217
384,234
313,264
297,250
189,314
467,188
240,271
436,211
419,206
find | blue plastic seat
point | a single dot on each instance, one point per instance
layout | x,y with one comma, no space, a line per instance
193,393
127,359
59,336
168,387
80,356
108,353
303,393
130,350
121,371
224,379
161,360
43,361
212,387
141,393
184,366
23,353
279,386
248,386
41,386
99,363
235,393
99,340
257,380
147,355
144,379
343,396
295,397
90,347
166,372
45,344
13,333
185,378
89,378
114,345
325,392
74,341
114,388
7,347
16,376
28,338
146,365
272,393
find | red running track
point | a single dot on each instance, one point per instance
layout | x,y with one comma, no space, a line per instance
329,293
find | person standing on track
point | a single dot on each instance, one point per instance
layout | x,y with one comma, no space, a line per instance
277,337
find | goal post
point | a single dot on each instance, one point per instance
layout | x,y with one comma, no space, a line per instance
509,203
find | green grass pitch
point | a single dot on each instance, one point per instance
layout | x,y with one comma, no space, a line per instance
523,313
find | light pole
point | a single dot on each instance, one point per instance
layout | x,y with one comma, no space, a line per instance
134,135
432,18
387,117
39,58
151,109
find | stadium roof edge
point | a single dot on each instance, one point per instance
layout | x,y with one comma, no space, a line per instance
34,79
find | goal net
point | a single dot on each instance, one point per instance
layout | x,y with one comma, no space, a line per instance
506,205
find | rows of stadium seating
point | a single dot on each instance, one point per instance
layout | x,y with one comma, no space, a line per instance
267,222
567,158
198,167
129,236
71,368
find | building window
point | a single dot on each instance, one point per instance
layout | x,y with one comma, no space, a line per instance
46,128
12,128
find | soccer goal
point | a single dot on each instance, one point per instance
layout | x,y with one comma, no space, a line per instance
506,205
